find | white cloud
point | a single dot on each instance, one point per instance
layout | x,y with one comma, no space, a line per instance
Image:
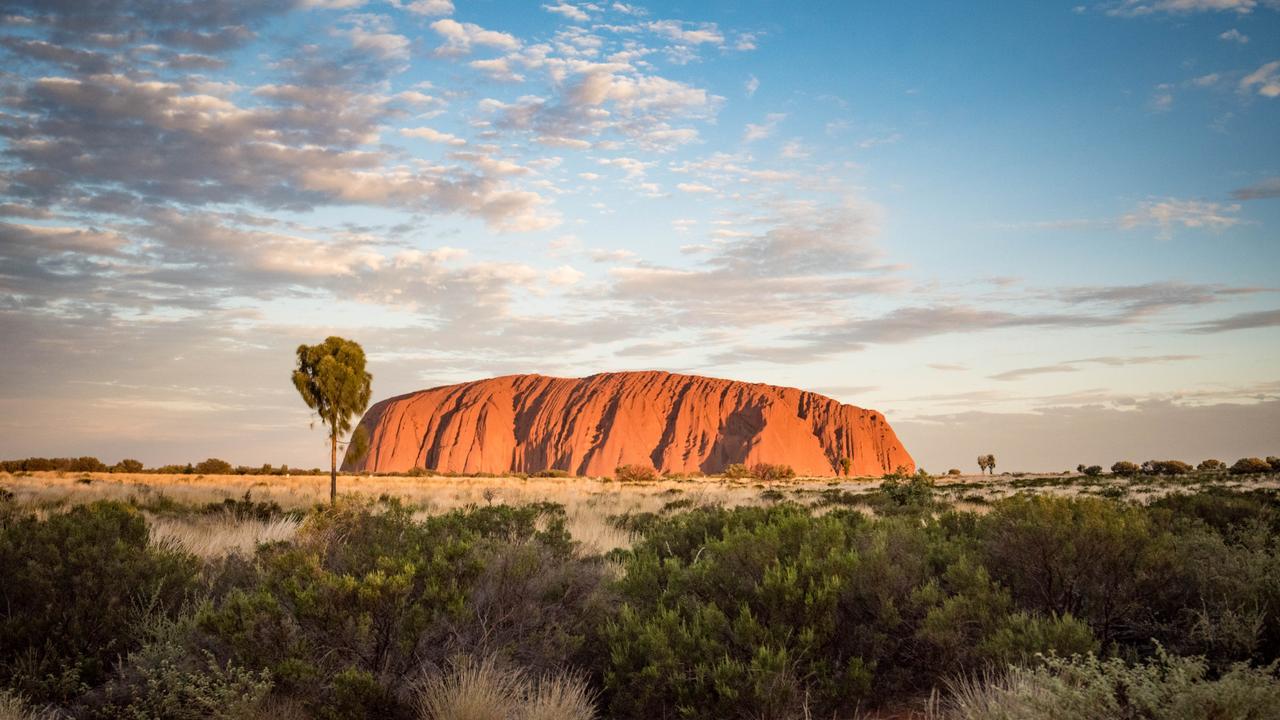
1135,8
695,188
459,37
1234,35
687,33
752,85
564,275
1168,213
1162,98
569,11
1266,78
426,7
383,44
497,68
763,130
433,135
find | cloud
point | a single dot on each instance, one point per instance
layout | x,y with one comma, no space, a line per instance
459,37
1268,188
1168,213
1073,365
1137,8
1241,321
688,33
1265,78
751,85
1235,36
763,130
568,11
564,275
694,188
426,7
432,135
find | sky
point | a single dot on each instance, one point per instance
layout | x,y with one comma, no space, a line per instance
1046,231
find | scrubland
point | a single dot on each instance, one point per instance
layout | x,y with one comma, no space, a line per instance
1013,596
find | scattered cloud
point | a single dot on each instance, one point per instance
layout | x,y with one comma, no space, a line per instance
756,132
460,37
1266,79
1166,214
751,85
1268,188
1235,36
1138,8
1241,321
1074,365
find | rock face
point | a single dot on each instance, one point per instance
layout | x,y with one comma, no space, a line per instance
591,425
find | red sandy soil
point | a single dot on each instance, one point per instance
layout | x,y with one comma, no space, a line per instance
591,425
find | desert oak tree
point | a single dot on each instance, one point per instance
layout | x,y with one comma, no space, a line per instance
332,380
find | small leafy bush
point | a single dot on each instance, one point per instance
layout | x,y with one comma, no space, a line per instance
71,588
769,472
1124,467
736,471
635,473
1250,466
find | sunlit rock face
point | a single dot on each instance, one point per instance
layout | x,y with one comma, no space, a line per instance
591,425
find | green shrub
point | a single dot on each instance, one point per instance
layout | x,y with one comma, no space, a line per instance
1087,688
1092,470
366,595
128,465
72,586
736,471
1211,465
954,471
214,466
1165,467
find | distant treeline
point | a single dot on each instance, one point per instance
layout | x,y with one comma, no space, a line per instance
210,466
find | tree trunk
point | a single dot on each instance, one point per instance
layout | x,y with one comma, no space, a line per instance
333,469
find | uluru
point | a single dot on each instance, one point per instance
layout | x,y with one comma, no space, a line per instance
590,426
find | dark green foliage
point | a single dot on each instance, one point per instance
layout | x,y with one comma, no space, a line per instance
332,381
247,508
74,587
127,465
367,597
763,612
38,464
214,466
1092,470
736,471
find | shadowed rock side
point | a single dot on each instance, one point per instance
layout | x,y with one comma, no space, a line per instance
591,425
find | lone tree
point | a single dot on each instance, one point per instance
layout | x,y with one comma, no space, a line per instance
987,462
332,380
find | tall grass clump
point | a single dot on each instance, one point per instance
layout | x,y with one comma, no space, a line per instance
483,689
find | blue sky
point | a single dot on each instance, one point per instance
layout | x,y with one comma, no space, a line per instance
1046,231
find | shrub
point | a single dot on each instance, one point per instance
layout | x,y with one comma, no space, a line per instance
366,596
1211,465
768,472
736,471
954,471
13,707
71,587
1274,462
1083,556
1250,466
1165,467
127,465
635,473
1164,688
553,473
1124,467
214,466
1092,470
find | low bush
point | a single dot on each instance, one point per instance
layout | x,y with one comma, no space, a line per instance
72,588
736,471
1211,465
1124,467
1165,467
1086,688
635,473
471,689
768,472
1251,466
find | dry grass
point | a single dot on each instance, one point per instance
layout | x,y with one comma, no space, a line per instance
13,707
484,690
210,536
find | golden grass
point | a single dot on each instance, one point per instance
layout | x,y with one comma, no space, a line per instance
211,536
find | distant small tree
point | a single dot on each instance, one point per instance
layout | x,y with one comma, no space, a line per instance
988,463
1124,467
1211,465
214,466
1274,462
1249,466
954,471
333,382
127,465
1092,470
